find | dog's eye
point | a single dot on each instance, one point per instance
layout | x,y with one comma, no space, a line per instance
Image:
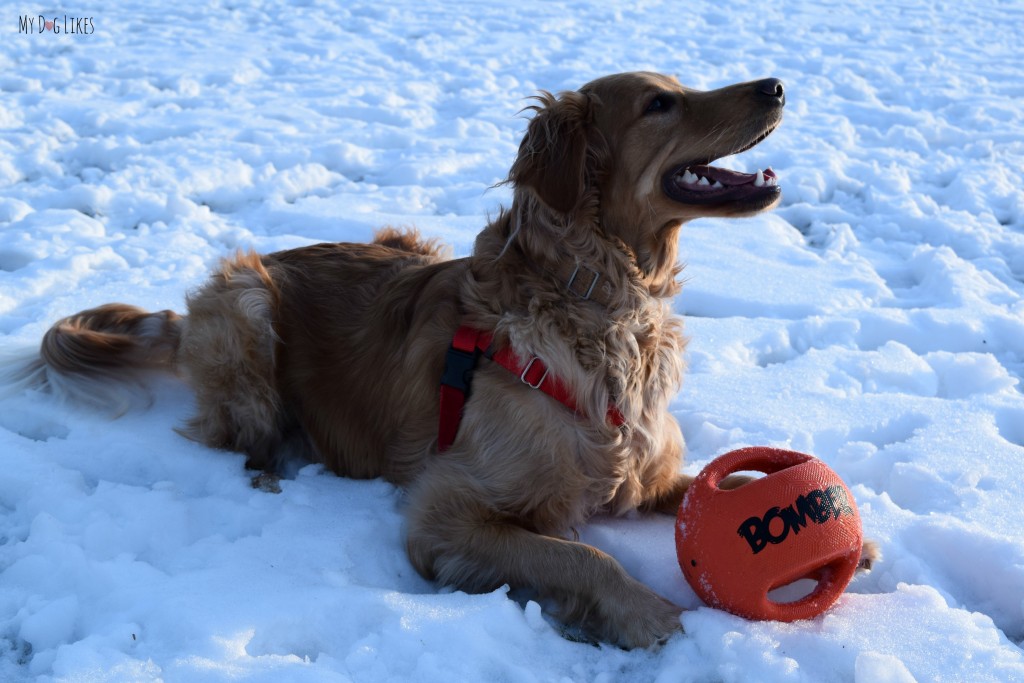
660,104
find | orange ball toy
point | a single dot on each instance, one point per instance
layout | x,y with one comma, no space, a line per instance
797,522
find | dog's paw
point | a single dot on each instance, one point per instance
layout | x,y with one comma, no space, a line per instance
637,618
267,482
870,554
734,481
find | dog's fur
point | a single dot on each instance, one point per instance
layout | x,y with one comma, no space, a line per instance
341,347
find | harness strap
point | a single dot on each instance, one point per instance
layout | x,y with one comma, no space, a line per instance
459,363
467,346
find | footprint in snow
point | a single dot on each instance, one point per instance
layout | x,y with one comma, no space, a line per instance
1010,422
32,426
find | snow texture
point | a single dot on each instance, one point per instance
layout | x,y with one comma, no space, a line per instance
875,319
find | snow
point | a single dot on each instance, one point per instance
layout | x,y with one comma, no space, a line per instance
875,319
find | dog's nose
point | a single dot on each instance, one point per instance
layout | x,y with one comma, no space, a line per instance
772,87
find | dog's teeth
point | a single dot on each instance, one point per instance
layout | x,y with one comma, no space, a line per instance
718,185
759,180
689,177
703,181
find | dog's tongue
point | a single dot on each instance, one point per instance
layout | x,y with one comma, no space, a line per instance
703,177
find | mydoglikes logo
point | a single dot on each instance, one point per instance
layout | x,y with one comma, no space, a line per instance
64,24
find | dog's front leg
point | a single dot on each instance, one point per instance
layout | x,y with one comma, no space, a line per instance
456,539
668,500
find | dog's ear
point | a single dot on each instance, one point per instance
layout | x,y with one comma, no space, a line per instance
553,154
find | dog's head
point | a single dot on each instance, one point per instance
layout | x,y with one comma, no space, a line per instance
637,148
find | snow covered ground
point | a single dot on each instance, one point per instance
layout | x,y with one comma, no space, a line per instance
876,319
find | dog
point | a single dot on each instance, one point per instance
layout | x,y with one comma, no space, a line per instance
343,349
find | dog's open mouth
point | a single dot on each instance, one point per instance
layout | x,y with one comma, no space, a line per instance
704,184
698,182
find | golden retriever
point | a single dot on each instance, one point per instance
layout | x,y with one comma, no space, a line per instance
341,347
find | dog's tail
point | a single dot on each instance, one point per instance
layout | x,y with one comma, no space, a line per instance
98,356
408,239
110,338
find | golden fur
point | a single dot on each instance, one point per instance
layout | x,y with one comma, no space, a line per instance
340,348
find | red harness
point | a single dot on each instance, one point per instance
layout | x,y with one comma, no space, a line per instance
467,346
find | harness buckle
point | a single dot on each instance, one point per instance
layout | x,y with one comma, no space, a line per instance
593,282
458,368
526,371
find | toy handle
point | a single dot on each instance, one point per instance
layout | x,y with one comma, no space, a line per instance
832,581
754,459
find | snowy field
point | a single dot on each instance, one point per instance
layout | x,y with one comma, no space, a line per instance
875,319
